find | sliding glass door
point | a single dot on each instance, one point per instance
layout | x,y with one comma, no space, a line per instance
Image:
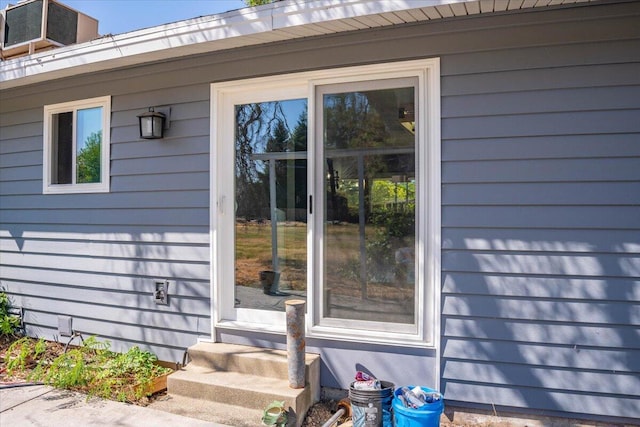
367,167
325,187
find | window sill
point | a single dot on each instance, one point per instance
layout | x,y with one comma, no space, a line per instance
75,189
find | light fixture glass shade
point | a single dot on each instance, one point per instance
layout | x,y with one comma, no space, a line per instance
151,124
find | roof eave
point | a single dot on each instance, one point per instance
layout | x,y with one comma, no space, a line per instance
243,27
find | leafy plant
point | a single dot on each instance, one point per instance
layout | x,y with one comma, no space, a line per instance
9,324
258,2
91,368
68,370
135,363
23,353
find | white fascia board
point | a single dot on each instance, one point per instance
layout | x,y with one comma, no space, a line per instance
243,27
317,11
204,34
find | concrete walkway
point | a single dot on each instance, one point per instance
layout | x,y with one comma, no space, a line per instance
46,406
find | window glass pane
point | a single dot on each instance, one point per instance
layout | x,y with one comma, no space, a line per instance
62,148
271,203
88,145
370,205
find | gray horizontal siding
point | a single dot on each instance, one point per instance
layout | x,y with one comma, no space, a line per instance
620,50
543,170
559,217
563,123
582,99
167,343
168,165
592,77
541,222
113,283
626,313
606,405
150,200
544,287
543,355
565,264
93,248
551,379
179,146
544,193
540,215
624,339
541,147
133,216
95,257
152,268
546,240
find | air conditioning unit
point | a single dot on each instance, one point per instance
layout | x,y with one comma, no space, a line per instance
35,25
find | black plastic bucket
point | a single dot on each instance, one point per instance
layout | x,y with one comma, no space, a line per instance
372,408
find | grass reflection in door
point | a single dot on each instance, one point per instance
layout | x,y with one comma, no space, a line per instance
271,201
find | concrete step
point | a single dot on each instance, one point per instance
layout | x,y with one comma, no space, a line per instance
245,377
251,391
220,413
245,359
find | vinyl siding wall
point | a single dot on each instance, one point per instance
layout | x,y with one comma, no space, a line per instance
541,222
540,208
95,257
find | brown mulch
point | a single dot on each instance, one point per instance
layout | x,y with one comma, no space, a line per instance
53,350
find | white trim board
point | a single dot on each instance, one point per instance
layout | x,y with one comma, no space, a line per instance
278,21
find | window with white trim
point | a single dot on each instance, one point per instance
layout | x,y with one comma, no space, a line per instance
76,146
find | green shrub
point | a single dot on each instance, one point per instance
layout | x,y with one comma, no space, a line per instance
91,368
23,354
9,324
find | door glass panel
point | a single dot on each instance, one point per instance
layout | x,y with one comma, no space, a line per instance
270,203
370,201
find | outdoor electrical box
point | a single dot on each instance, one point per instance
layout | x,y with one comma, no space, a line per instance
161,292
64,326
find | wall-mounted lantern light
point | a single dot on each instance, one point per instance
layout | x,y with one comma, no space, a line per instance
151,124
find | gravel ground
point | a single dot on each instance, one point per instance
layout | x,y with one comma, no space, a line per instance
319,413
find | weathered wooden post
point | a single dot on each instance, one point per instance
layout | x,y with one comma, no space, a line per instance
296,342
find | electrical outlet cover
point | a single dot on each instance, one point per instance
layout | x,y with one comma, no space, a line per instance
64,326
161,293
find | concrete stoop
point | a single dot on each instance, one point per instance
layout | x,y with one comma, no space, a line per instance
240,381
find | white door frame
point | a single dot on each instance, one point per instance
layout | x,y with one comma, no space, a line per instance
302,85
225,96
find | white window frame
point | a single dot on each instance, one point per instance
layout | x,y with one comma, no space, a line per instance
94,187
429,215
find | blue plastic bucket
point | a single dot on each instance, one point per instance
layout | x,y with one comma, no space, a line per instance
372,408
427,415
